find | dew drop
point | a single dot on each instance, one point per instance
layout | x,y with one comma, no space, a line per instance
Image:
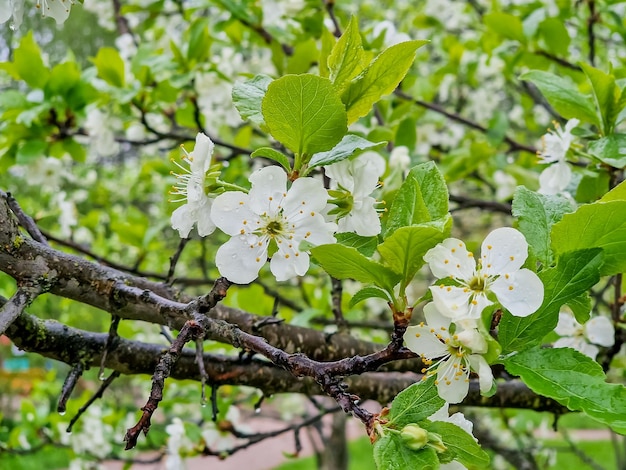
101,377
12,27
257,410
62,413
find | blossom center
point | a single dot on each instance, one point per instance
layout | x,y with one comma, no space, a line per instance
478,283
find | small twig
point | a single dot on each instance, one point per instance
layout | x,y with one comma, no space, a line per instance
493,206
201,368
336,292
25,221
68,386
22,298
111,343
330,8
99,393
174,260
594,17
214,408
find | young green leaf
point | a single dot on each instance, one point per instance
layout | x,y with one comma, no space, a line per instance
28,63
391,453
344,149
601,225
423,197
575,273
344,262
199,41
563,96
415,403
379,78
607,96
347,58
610,150
404,250
368,293
508,26
304,113
272,154
247,98
537,214
110,66
574,380
365,245
461,446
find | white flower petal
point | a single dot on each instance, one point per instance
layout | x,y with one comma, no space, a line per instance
367,169
567,325
288,264
307,195
201,155
452,380
269,187
230,212
451,258
239,262
461,421
473,340
441,414
503,251
555,179
599,330
453,302
454,465
422,341
485,375
57,9
362,220
182,220
204,223
434,318
521,293
579,344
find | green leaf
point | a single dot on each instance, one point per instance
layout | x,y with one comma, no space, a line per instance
110,66
368,293
304,113
272,154
555,36
344,149
63,79
574,380
606,94
461,445
391,453
28,63
328,43
415,403
575,273
618,193
247,98
610,150
31,150
379,78
537,214
344,262
404,249
423,197
581,307
505,25
347,57
199,41
563,96
601,225
365,245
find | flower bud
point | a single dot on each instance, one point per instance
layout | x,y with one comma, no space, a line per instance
414,436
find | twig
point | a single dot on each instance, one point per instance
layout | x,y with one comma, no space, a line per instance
594,17
493,206
68,386
336,292
330,8
513,144
174,260
25,221
111,343
99,394
201,368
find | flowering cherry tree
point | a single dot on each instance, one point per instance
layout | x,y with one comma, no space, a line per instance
297,190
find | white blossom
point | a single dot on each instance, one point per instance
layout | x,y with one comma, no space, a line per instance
197,208
270,213
584,338
499,271
12,9
554,147
217,436
177,442
352,182
57,9
99,126
455,354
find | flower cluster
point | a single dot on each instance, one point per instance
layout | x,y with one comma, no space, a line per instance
451,341
598,331
272,220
